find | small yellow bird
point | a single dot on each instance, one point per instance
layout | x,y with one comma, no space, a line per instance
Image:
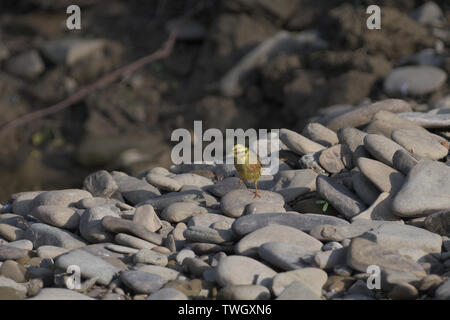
247,165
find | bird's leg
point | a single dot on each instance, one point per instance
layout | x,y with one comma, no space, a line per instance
256,190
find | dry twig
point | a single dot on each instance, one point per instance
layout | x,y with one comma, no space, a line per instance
107,79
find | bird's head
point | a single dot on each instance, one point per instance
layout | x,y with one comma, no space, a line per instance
240,153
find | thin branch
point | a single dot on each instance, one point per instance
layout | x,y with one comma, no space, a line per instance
109,78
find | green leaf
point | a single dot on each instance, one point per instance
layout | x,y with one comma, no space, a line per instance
320,201
325,207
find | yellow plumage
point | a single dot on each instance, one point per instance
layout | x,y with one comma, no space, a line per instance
247,165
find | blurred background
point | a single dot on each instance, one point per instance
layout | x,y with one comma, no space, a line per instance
319,59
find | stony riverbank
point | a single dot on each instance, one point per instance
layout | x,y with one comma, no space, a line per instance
343,200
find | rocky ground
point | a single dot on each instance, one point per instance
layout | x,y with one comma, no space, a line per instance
344,199
307,55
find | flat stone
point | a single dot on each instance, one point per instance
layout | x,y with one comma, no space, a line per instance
233,204
420,144
413,80
298,143
90,266
191,288
396,236
381,175
146,216
363,253
121,249
59,294
263,207
133,242
22,244
208,235
192,179
354,139
208,219
313,278
342,232
439,223
43,235
381,148
403,161
134,190
13,270
360,116
167,294
293,183
61,217
100,184
244,292
343,200
364,188
11,233
50,252
208,248
380,210
414,199
163,182
195,266
149,256
403,291
336,158
163,201
385,122
284,255
428,120
91,227
11,290
304,222
23,204
298,291
320,134
240,270
118,225
142,282
275,233
62,198
113,204
166,274
226,185
182,211
100,250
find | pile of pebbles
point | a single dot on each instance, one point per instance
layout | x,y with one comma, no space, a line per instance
368,187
